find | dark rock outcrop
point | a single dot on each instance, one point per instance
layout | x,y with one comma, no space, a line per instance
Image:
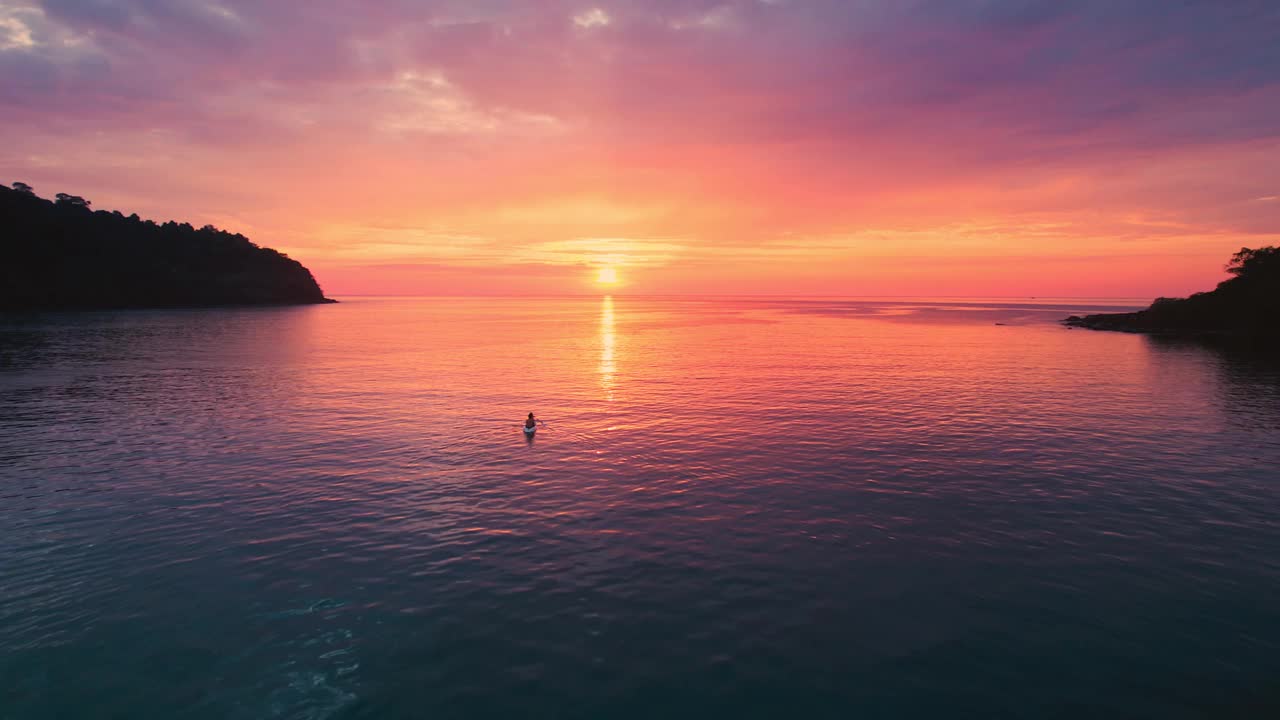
64,256
1246,306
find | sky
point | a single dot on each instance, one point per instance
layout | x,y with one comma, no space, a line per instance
1108,148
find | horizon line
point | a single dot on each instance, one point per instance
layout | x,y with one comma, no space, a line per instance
742,295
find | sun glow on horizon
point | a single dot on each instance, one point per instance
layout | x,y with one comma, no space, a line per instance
607,276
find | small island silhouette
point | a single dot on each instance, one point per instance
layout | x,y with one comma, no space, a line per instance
1245,306
61,255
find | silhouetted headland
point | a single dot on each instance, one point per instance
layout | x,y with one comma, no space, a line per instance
1246,306
64,256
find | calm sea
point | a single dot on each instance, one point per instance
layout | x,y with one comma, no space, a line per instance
737,508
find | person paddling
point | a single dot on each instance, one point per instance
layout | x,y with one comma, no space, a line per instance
530,424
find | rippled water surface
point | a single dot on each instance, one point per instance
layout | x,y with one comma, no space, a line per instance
751,508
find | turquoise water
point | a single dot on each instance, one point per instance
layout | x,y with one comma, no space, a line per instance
757,508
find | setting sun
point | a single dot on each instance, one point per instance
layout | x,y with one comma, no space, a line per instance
607,276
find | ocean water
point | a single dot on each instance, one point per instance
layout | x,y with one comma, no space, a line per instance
737,507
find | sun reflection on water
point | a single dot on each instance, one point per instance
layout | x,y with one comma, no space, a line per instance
608,338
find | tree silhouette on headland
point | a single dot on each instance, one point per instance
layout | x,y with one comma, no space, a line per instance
1244,305
64,255
72,200
1263,262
